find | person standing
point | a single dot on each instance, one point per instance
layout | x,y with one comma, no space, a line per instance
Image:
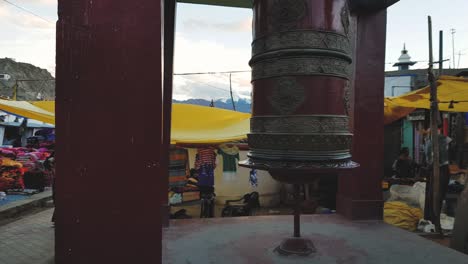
49,164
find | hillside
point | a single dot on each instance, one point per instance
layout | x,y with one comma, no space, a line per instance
38,81
29,90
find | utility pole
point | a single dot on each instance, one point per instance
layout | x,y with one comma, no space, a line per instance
230,89
453,31
15,91
441,53
459,58
435,179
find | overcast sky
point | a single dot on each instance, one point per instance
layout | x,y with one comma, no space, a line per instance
213,39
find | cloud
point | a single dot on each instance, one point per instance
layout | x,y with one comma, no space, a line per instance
234,26
192,56
209,87
9,14
208,56
40,2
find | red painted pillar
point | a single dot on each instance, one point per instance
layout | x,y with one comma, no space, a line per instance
109,115
360,195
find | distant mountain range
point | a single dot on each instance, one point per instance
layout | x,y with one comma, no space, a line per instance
241,105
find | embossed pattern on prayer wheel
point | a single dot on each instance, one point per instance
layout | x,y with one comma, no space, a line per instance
301,66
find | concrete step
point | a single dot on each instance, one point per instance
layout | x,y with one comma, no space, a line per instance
22,207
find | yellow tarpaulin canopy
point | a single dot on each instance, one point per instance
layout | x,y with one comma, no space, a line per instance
25,109
393,112
448,89
46,105
192,124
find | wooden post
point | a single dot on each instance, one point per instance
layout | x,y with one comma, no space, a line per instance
230,89
434,136
169,34
102,216
441,53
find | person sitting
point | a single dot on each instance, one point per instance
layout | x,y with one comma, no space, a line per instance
404,167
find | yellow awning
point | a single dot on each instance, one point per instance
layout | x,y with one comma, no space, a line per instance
193,124
46,105
448,89
393,112
25,109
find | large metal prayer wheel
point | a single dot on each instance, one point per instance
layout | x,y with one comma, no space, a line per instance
301,67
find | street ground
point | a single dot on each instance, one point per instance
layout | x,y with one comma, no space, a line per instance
28,240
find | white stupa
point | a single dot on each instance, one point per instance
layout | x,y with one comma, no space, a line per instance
404,62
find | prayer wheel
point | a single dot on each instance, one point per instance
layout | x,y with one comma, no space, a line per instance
302,57
301,67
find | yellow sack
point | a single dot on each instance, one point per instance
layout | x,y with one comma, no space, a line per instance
402,215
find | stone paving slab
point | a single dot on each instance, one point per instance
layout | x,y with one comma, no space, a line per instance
29,240
337,240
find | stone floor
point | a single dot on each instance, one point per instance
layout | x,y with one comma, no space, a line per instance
253,240
28,240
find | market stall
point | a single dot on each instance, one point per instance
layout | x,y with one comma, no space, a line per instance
207,143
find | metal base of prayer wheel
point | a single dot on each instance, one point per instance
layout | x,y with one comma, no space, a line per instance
296,246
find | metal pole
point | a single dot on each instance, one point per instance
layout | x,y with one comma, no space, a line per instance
459,58
230,89
453,31
434,135
441,53
297,211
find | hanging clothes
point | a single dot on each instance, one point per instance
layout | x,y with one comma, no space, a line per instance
205,164
230,158
206,175
253,178
178,167
205,156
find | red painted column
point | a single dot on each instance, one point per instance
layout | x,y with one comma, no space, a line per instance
360,195
109,115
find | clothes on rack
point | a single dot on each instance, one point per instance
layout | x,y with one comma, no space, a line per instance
230,158
206,175
253,178
178,167
205,156
205,164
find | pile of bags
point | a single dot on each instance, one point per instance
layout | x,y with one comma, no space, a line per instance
405,207
402,215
